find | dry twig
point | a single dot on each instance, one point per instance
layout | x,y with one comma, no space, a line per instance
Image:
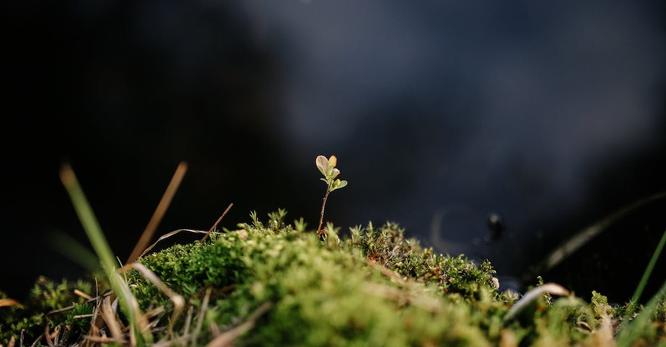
177,299
228,337
218,221
160,210
109,316
168,235
530,296
83,295
200,318
8,302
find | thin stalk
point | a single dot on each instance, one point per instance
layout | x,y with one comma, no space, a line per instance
217,222
647,273
320,233
159,212
631,331
94,232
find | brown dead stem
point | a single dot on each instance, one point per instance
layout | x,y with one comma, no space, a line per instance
177,299
159,212
9,303
188,321
530,296
168,235
83,294
34,343
96,321
51,338
200,318
109,317
228,337
218,221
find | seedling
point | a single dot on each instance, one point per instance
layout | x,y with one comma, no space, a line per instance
330,173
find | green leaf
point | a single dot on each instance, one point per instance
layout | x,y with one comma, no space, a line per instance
322,164
338,184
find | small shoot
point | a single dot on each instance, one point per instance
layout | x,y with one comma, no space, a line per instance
327,168
331,234
300,225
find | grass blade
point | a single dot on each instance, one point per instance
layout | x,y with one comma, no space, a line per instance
648,271
632,331
177,299
73,250
584,236
87,218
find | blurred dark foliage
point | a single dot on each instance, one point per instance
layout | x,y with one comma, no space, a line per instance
87,89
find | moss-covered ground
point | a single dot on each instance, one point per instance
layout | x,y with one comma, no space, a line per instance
273,283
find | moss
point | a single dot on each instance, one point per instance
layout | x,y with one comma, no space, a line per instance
37,312
373,287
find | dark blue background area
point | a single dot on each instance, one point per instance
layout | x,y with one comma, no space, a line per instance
441,113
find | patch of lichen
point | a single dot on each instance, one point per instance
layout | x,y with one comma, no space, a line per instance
373,287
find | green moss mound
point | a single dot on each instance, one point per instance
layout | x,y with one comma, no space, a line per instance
277,284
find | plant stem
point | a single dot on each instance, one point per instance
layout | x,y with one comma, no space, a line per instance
321,215
646,275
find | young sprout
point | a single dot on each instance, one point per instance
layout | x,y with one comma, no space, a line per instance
330,173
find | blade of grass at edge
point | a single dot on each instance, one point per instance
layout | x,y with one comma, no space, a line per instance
631,331
648,270
87,218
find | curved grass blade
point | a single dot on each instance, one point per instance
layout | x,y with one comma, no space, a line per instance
584,236
128,303
648,271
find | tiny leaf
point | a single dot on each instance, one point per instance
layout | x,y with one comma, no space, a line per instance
337,184
322,164
332,161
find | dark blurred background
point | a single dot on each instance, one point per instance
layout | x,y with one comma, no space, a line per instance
550,116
